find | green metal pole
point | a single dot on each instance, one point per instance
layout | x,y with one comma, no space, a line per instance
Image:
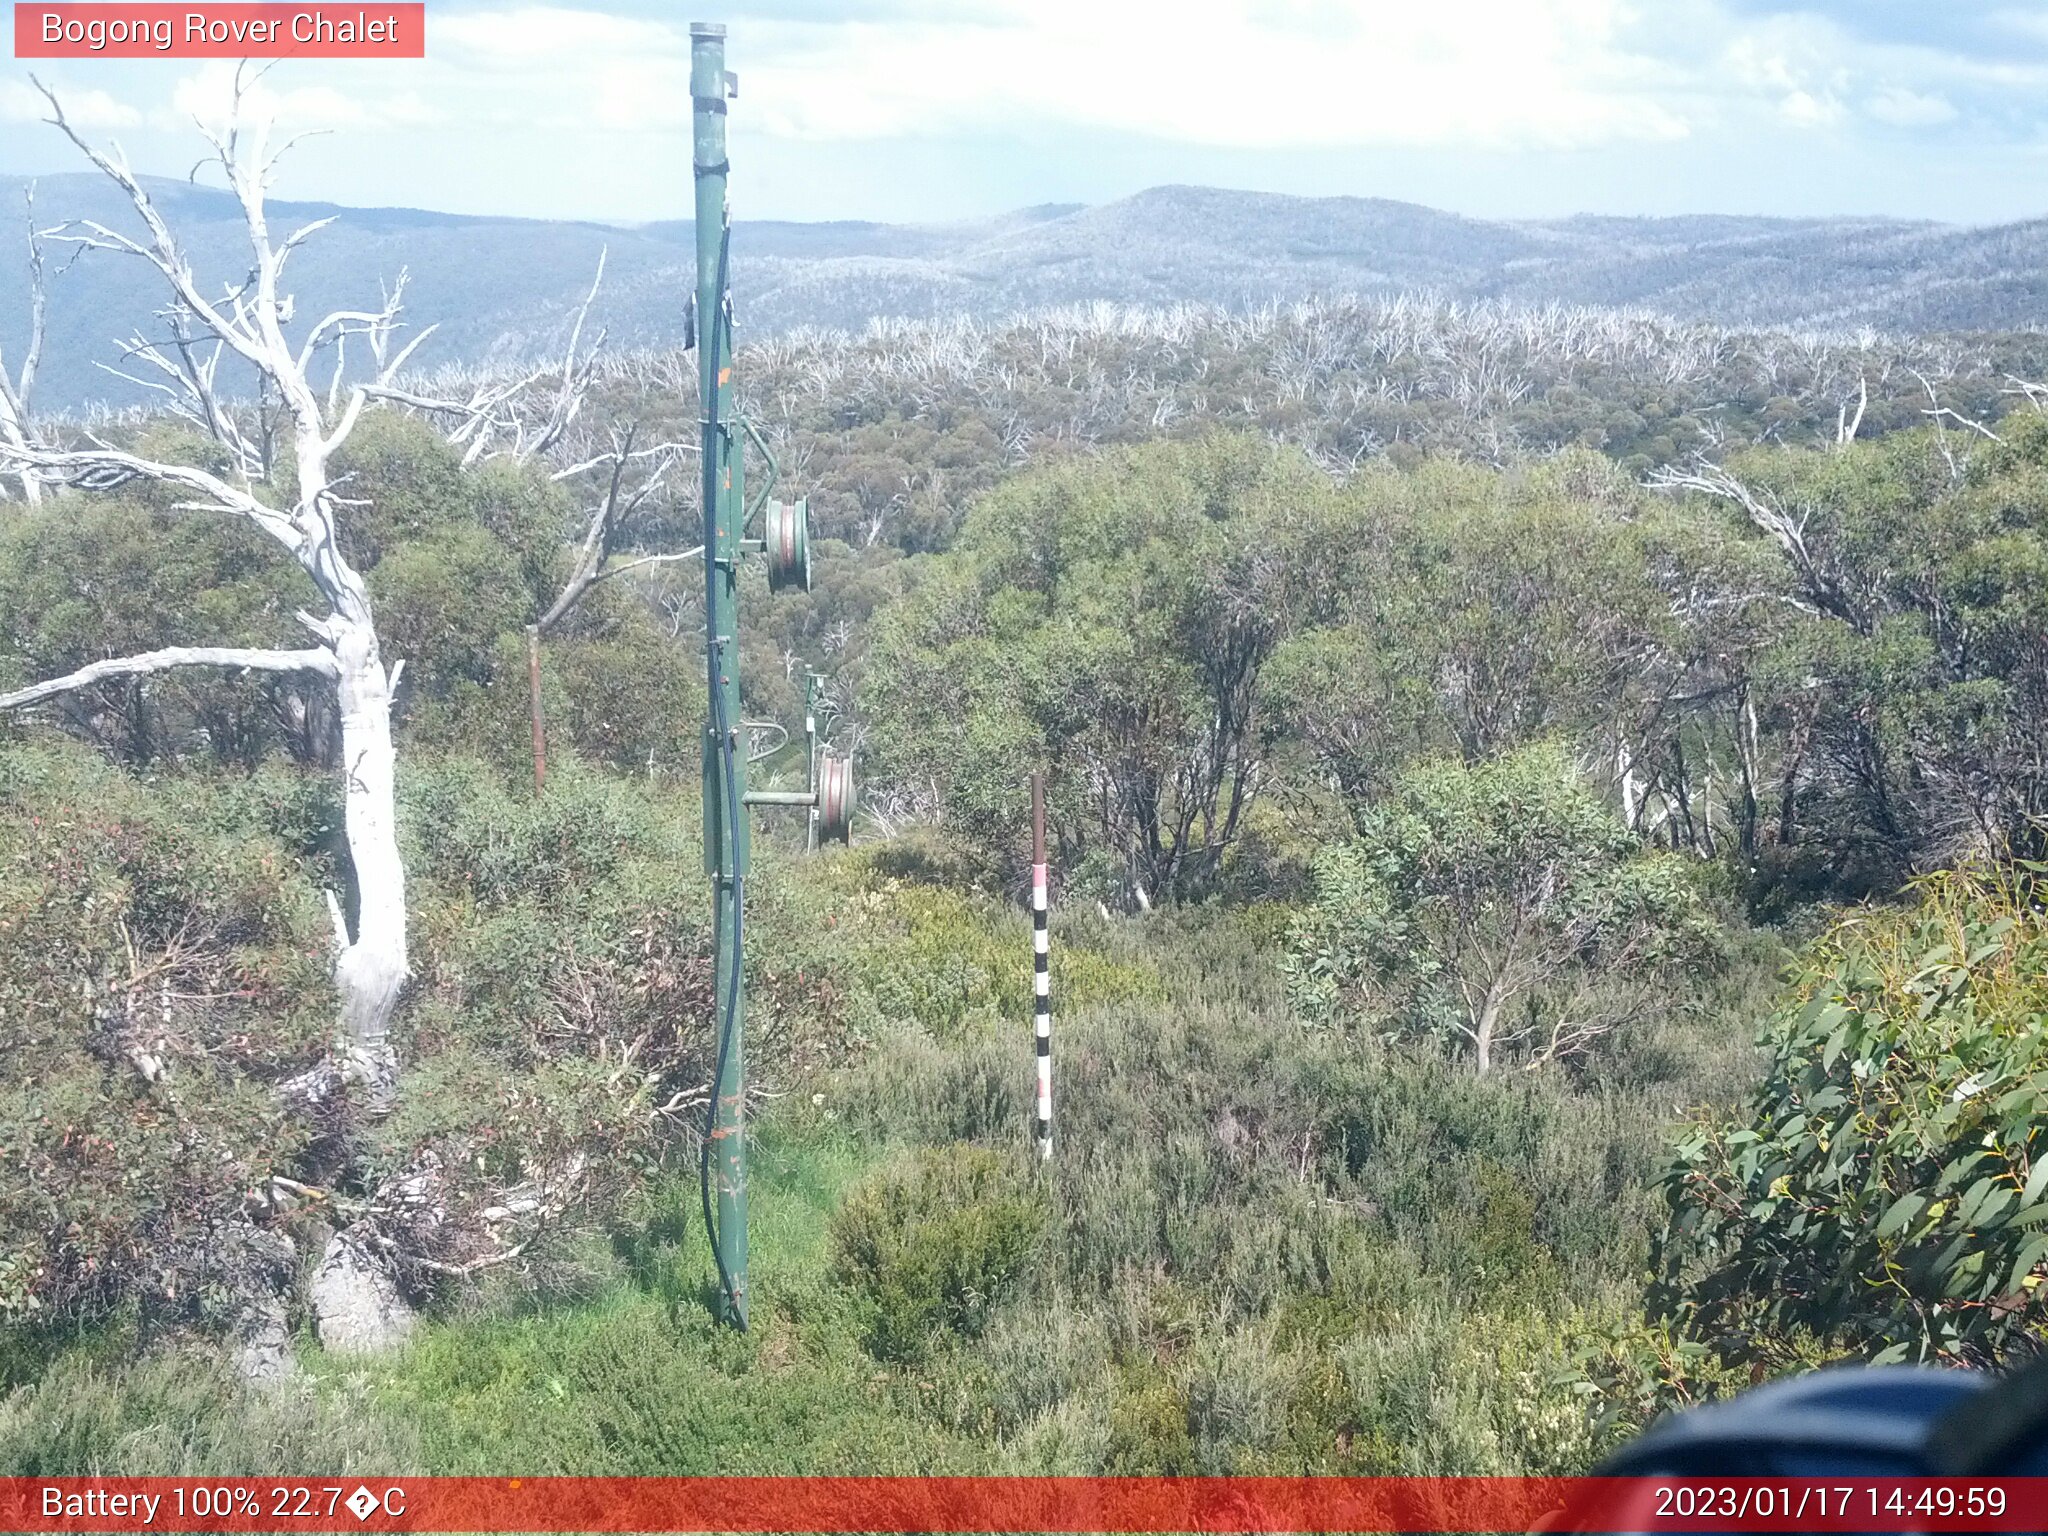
725,835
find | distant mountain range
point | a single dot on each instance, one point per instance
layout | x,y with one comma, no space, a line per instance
502,288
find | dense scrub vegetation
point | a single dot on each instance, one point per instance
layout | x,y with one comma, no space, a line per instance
1432,840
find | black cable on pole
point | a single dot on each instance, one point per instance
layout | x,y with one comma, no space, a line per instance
730,1012
717,335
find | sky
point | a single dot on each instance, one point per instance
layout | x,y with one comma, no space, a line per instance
933,110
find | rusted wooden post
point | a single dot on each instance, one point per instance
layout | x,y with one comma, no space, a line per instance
540,730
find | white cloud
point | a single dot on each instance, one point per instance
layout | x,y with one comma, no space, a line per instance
20,103
570,69
1910,109
540,106
1250,73
2029,24
1802,70
1241,74
207,96
546,35
1805,110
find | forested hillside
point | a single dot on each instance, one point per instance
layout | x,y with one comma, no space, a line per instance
1545,809
499,288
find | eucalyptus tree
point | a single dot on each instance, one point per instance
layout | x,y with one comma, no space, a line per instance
1912,688
1111,619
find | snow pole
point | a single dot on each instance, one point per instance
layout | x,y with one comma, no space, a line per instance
1041,967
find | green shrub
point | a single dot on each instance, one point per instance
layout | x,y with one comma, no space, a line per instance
1501,907
1522,1182
1148,1428
641,1379
1031,1361
158,975
1887,1189
628,1386
1638,1368
947,961
934,1243
1108,617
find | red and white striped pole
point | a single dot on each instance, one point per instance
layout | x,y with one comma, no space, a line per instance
1041,967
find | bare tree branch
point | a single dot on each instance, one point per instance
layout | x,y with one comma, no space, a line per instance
633,565
102,468
16,394
1786,528
497,410
318,661
614,508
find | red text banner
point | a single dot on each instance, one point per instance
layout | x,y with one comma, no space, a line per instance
111,30
1018,1504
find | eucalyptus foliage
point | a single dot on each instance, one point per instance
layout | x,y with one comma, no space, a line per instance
1888,1188
1503,905
1108,621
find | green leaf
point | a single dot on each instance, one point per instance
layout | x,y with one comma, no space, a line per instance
1901,1211
2033,1253
1974,1202
2037,1180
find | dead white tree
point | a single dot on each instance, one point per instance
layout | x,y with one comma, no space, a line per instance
524,414
1820,585
18,391
244,324
1846,426
1941,415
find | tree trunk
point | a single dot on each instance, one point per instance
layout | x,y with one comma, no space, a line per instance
1482,1033
1631,787
373,966
357,1302
1746,755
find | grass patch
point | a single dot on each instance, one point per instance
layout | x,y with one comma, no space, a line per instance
643,1382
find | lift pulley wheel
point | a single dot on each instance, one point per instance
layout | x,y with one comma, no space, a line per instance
835,799
787,534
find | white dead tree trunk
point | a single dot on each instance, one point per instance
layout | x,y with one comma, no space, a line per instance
1846,426
18,391
245,324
